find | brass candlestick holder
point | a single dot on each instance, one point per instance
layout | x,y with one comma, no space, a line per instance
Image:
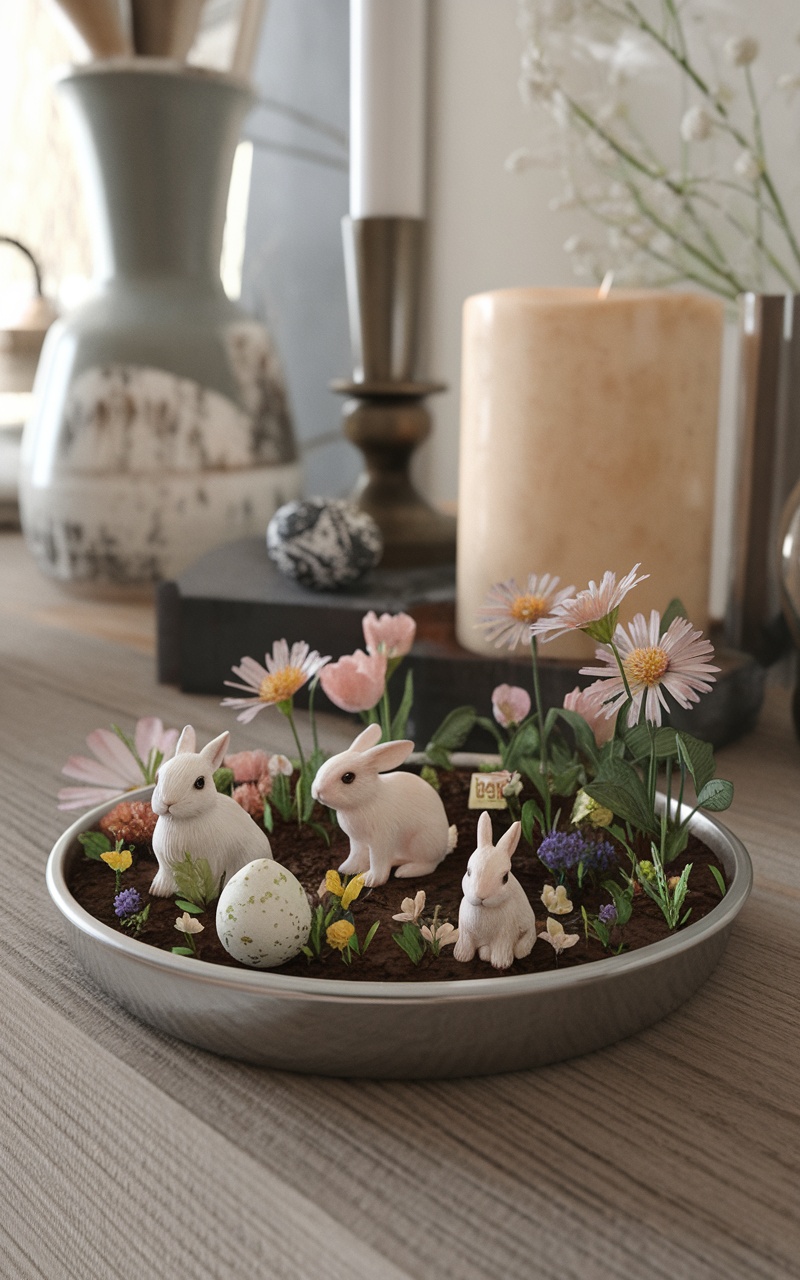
384,414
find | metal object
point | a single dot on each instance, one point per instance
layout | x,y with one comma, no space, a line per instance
384,415
768,464
401,1030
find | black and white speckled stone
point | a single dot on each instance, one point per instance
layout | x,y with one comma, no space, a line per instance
323,543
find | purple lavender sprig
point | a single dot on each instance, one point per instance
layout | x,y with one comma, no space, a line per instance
127,903
607,914
567,852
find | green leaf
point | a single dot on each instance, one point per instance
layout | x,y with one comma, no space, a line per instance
410,940
94,844
194,880
524,746
720,879
281,796
319,830
191,907
531,813
584,737
698,756
438,756
640,738
454,729
429,775
268,819
622,899
400,721
675,843
370,935
673,610
716,796
620,789
223,780
182,951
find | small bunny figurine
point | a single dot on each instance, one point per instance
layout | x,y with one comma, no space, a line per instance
194,817
495,918
393,821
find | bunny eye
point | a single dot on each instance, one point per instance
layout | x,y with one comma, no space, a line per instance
348,777
199,783
505,878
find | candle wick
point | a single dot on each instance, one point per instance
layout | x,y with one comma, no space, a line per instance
605,287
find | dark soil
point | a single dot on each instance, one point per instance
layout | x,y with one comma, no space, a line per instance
93,885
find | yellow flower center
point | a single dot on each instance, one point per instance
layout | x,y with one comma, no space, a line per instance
646,666
528,608
281,685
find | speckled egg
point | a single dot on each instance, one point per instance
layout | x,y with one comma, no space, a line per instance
263,916
323,543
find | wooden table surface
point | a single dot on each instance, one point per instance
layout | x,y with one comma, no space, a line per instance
129,1154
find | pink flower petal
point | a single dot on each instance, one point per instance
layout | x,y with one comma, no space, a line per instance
356,681
86,770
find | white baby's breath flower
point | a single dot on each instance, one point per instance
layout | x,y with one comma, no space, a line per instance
188,924
741,50
789,82
746,166
696,125
576,244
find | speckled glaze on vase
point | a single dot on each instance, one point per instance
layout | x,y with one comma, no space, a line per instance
161,426
401,1030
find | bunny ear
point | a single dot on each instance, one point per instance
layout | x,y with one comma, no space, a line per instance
509,841
187,741
367,738
214,751
484,829
389,755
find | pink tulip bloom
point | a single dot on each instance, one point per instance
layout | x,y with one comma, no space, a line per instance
589,704
510,704
392,634
355,682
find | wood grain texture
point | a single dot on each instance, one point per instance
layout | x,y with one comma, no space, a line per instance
671,1156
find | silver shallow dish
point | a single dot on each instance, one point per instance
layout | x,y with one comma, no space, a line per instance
400,1029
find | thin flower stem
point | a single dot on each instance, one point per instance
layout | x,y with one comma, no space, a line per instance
290,717
544,763
385,713
312,689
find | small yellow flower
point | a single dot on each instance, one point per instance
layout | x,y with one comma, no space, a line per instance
647,869
333,883
588,810
118,859
352,890
339,934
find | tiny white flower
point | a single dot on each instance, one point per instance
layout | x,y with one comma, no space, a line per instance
575,244
558,939
746,166
789,82
741,50
188,924
697,124
513,786
555,900
411,908
280,764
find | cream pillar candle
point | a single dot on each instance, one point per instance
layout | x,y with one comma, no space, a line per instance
588,441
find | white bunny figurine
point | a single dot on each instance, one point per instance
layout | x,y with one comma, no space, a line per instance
495,917
194,817
396,820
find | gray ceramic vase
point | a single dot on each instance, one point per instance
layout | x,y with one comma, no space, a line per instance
161,426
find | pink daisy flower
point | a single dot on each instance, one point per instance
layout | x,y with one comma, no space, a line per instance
508,611
593,610
285,672
676,662
120,764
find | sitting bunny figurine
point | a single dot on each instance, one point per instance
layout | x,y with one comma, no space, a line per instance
194,817
495,918
393,821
